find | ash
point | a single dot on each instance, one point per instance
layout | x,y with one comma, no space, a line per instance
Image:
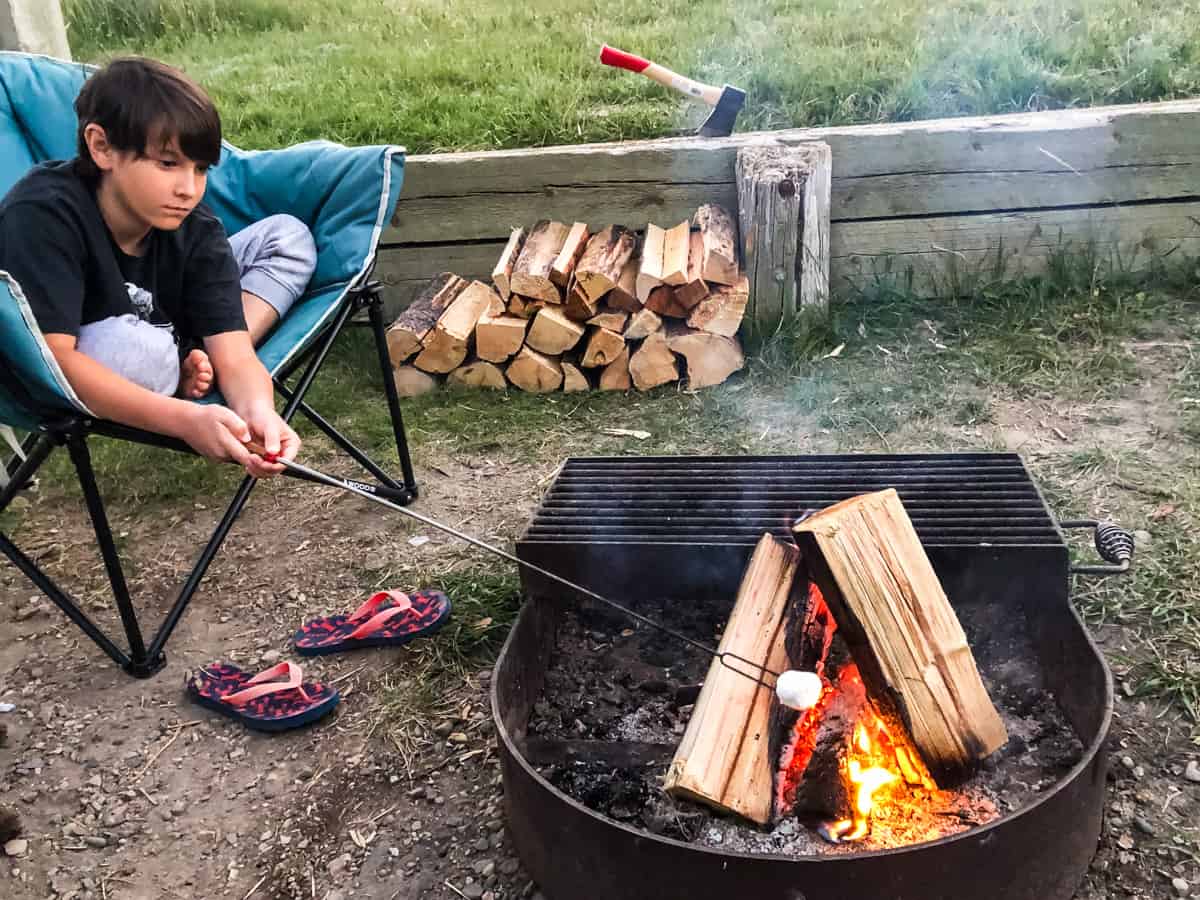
615,682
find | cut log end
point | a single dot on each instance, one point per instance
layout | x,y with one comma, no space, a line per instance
653,363
535,373
478,374
711,358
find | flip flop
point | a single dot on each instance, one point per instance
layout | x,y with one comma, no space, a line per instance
388,619
263,701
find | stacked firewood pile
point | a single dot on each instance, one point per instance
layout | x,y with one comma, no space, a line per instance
571,310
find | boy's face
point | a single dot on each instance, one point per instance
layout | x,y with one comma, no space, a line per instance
160,187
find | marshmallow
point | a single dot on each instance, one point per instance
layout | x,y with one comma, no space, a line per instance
799,690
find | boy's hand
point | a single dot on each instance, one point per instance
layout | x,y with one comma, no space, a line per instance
275,435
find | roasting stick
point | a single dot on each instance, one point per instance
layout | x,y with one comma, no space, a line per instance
791,687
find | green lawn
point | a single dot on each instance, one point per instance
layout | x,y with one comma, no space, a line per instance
452,74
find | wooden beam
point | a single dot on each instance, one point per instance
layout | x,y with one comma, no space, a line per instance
926,256
932,167
898,624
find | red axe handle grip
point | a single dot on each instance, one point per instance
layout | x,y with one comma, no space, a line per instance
611,56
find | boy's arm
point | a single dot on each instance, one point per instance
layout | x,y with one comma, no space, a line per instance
211,430
246,386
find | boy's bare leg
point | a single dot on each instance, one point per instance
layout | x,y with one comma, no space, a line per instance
196,371
261,316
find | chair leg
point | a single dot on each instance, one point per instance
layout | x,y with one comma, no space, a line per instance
201,568
375,311
36,452
139,664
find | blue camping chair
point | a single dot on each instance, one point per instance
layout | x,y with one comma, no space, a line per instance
345,195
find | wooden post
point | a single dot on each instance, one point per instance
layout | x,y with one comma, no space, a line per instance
783,212
34,26
899,626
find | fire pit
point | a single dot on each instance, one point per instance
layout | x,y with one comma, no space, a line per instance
671,537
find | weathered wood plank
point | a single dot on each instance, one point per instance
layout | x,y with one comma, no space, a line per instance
1025,161
928,250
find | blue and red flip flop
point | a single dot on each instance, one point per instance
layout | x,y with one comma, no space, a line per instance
388,619
275,699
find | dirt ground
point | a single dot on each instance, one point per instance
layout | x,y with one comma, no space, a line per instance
127,790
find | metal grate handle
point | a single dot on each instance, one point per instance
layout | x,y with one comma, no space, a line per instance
1113,543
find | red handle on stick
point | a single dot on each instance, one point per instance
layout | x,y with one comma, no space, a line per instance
611,56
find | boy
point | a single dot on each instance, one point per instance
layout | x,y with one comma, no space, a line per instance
141,298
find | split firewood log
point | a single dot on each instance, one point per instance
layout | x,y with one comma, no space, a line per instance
711,358
695,288
722,311
535,373
412,382
894,615
499,337
725,759
531,274
676,246
603,347
663,301
718,235
502,274
650,274
574,378
612,319
523,307
653,363
447,343
405,335
553,333
578,306
615,376
568,256
478,374
604,260
624,295
642,324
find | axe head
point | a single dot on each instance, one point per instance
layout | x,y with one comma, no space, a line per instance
720,121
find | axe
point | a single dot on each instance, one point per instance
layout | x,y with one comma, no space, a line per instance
726,101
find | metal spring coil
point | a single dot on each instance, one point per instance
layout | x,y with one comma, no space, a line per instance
1114,543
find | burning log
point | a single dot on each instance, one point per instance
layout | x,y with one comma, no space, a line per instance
725,758
531,273
901,630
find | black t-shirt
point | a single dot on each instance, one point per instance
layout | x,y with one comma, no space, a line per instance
54,242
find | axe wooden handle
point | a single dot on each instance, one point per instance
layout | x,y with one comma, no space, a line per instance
611,56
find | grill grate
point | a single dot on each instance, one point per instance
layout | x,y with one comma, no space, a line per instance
954,500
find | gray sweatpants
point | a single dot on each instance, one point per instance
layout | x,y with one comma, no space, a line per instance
275,257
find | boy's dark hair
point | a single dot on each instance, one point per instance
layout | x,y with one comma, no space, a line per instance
136,100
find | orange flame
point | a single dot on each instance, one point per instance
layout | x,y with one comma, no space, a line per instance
867,770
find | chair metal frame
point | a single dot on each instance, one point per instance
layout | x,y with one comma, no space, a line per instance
142,660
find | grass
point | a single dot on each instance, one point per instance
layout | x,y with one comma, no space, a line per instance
417,72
